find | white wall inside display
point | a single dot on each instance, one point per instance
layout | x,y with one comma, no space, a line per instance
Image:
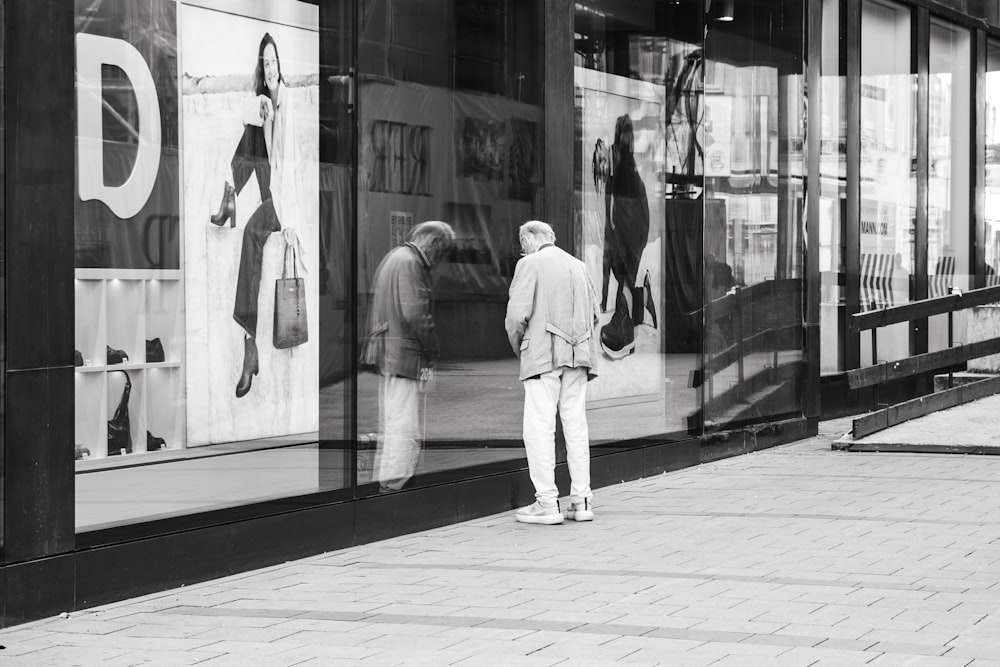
218,54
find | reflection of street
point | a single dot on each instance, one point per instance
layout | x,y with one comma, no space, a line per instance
729,379
481,401
476,402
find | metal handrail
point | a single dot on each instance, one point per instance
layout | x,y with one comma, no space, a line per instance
949,303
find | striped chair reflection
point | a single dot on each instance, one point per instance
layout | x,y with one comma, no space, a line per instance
943,278
876,280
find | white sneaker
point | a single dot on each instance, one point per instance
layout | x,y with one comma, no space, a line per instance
538,514
580,511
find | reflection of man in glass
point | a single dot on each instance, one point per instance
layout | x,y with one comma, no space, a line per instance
267,149
402,347
626,231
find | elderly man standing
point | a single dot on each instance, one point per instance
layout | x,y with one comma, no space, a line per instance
402,347
551,320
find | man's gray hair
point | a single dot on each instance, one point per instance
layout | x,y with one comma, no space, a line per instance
432,230
538,229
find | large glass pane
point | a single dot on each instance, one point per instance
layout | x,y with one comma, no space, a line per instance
201,268
754,202
948,212
639,172
991,109
888,174
450,121
833,194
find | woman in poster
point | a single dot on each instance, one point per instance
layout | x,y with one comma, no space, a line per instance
626,232
267,150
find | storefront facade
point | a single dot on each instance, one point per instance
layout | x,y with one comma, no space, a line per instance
198,193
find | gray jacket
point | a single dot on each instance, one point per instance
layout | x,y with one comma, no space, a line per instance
552,313
401,335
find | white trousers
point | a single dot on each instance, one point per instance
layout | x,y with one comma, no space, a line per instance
565,390
398,431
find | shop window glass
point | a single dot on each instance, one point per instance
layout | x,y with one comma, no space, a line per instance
833,194
639,220
201,194
991,109
450,130
888,170
753,137
948,210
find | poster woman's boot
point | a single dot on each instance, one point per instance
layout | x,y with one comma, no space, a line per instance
251,367
227,208
642,303
618,335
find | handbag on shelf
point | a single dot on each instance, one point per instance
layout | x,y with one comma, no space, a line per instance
116,356
290,327
119,426
154,351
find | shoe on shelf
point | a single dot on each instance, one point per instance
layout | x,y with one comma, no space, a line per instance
581,511
536,513
116,356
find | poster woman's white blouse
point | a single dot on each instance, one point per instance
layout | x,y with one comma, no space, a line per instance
282,153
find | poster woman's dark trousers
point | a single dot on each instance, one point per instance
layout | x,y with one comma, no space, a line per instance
262,223
251,158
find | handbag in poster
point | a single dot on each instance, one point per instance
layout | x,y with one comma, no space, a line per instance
290,327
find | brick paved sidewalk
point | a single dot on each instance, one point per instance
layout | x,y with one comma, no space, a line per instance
798,555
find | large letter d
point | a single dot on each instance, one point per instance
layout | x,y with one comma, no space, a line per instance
92,51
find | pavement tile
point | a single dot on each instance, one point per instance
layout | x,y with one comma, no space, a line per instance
735,625
533,660
783,640
719,650
572,651
894,660
243,659
665,646
68,656
538,625
313,638
695,634
483,646
838,644
256,635
909,649
987,650
413,642
797,555
477,632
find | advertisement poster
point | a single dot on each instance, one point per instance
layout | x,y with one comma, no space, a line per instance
250,100
126,205
622,216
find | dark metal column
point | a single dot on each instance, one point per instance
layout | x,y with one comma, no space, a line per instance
559,110
852,232
919,66
977,160
814,119
39,182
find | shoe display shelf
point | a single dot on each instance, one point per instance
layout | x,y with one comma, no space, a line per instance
122,309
